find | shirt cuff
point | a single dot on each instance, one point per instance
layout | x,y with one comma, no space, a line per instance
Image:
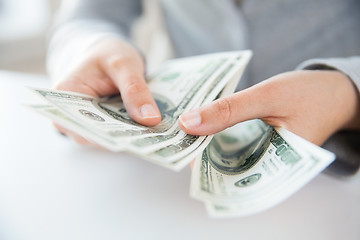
349,66
70,42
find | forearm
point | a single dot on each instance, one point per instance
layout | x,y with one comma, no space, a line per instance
82,23
350,68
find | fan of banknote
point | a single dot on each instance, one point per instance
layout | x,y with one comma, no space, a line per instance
242,170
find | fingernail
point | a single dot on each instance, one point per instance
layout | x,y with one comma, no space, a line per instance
148,111
190,119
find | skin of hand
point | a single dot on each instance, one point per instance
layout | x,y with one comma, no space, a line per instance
311,104
111,66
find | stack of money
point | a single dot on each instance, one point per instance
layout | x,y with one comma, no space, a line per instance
240,171
178,86
251,167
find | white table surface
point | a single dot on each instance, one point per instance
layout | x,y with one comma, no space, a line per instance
51,188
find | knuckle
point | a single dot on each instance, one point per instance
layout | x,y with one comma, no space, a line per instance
66,85
224,109
79,140
75,78
117,61
135,88
60,86
70,80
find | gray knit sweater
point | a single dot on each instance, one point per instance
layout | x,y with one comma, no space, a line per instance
283,34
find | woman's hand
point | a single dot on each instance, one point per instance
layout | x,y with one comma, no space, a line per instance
311,104
109,67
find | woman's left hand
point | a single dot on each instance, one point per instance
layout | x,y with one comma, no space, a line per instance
311,104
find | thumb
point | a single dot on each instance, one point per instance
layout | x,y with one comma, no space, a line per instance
226,112
127,74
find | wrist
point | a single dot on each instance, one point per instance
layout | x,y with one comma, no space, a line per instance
348,107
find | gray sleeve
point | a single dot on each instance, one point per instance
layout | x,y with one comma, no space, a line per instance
81,23
345,144
349,66
117,14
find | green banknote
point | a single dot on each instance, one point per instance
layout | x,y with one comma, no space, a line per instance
177,86
251,167
243,170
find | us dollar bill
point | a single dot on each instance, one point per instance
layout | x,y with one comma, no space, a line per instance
251,167
243,170
179,85
174,156
61,118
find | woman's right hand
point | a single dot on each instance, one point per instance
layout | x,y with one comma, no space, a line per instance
113,66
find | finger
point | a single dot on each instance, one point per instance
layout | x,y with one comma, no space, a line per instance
225,112
83,141
135,93
88,79
192,163
76,138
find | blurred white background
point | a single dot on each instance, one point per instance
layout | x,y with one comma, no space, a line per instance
23,29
